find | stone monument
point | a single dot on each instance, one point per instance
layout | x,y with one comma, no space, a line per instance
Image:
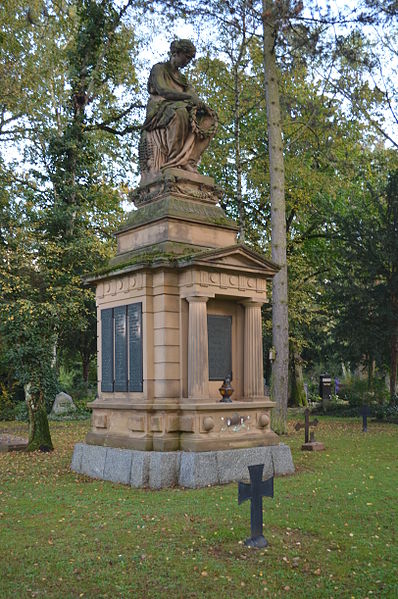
179,310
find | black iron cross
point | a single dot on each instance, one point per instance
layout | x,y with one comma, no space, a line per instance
365,412
306,426
255,491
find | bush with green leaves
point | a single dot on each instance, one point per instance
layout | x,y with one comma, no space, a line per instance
388,413
357,392
21,412
7,406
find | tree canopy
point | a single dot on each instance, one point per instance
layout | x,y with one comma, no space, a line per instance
70,109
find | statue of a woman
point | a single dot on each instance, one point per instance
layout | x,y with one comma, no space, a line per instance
178,125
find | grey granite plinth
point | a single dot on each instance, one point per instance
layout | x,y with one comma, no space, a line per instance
158,470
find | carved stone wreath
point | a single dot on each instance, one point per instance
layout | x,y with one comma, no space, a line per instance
196,128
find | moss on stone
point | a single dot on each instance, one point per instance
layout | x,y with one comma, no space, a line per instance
172,253
173,207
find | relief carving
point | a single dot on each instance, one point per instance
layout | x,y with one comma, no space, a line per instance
100,421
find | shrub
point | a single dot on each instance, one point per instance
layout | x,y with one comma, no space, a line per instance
388,413
21,412
357,392
7,406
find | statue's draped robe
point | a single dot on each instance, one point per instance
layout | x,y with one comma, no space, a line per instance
167,138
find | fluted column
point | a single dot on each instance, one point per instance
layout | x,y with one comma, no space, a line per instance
198,351
253,377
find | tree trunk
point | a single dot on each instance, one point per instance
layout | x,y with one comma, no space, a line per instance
39,430
371,371
280,328
86,368
393,367
298,397
238,162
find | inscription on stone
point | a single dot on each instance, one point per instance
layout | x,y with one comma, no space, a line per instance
120,348
220,351
135,347
107,350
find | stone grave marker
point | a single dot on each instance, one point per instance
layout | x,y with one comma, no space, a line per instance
63,404
10,442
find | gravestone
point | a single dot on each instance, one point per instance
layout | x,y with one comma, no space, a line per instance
9,442
325,389
63,404
178,311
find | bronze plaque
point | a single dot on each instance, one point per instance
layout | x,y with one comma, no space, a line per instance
135,347
220,346
107,350
120,348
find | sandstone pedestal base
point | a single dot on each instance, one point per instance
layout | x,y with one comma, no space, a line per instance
157,469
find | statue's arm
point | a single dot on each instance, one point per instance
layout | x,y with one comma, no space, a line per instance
159,85
194,96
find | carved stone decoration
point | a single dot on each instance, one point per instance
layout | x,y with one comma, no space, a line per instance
100,421
155,188
263,420
208,423
178,125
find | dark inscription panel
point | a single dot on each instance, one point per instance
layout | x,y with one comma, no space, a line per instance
135,347
220,352
107,350
120,348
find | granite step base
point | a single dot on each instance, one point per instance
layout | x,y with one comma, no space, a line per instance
158,470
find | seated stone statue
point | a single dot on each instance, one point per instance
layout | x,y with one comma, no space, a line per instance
178,125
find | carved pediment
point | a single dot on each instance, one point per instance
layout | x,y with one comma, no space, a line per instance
237,257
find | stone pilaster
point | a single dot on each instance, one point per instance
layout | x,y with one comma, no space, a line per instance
198,352
253,376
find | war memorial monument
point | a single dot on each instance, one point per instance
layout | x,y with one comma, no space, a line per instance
179,317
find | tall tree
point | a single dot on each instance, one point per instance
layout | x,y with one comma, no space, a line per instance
80,53
365,292
280,322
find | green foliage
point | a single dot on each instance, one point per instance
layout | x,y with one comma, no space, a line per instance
74,60
387,413
357,392
363,293
7,406
21,412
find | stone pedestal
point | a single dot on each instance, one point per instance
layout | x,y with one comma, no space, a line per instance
179,309
193,470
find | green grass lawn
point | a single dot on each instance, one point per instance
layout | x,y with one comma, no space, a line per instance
331,527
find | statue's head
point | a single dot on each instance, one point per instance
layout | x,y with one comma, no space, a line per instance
183,47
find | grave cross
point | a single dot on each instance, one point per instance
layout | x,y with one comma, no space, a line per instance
365,412
255,491
306,426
